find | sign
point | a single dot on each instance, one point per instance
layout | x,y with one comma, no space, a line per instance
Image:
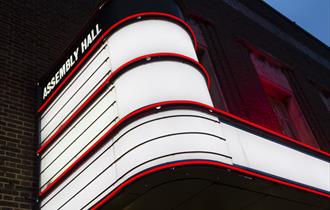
105,17
71,60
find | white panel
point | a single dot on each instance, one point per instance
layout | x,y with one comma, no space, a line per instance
160,81
279,160
79,139
167,126
134,147
168,145
143,85
79,91
100,55
149,150
80,181
81,123
234,144
149,36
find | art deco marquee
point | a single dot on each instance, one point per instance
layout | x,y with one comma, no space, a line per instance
131,99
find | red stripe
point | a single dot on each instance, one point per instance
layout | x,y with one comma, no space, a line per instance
107,32
142,110
198,162
111,79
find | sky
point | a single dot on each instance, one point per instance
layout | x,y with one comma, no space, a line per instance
311,15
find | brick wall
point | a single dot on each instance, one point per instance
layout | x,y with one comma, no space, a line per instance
32,34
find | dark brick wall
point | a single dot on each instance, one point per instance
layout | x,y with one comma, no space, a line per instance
33,34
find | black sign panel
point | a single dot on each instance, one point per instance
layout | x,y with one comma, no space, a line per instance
87,42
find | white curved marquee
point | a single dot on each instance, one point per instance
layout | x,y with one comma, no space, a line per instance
158,138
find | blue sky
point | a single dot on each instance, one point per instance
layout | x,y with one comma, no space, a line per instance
311,15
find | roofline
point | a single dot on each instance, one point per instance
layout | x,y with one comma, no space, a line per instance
285,18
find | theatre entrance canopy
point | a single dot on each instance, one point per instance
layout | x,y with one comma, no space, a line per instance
126,121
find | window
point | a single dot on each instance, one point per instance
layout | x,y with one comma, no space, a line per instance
282,99
280,109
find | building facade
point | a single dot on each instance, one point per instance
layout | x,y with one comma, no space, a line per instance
239,97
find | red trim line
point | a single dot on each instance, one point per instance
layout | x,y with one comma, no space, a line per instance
106,33
197,162
168,104
113,76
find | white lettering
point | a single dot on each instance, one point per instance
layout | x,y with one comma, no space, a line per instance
67,65
52,83
45,93
83,46
98,30
89,40
48,88
62,71
57,77
72,59
93,35
75,53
